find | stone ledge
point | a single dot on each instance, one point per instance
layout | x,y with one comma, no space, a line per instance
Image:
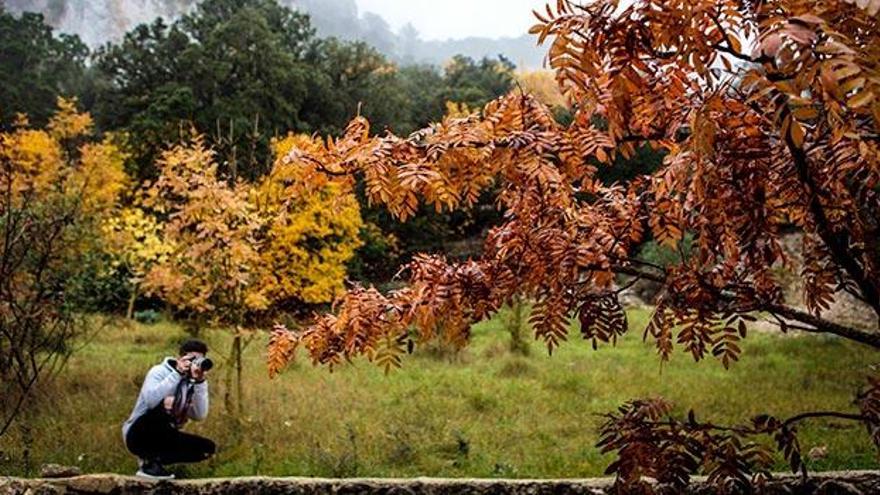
828,483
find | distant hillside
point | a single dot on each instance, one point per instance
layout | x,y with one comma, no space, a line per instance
99,21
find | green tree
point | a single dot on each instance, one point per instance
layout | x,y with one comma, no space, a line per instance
36,67
142,90
423,87
233,69
352,77
477,83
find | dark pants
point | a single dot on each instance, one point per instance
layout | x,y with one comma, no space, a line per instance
153,437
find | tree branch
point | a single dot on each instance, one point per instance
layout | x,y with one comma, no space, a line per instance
727,47
816,324
823,414
821,325
322,168
836,242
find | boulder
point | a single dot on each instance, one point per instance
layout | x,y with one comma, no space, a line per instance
59,471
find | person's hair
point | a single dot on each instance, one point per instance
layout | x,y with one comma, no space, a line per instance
193,345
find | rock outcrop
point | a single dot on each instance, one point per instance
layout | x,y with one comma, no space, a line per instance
59,471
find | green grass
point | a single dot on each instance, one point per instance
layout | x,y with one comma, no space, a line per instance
486,414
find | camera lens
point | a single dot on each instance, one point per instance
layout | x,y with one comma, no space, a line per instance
206,364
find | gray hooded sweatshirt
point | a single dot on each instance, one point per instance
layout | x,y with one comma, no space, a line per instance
161,381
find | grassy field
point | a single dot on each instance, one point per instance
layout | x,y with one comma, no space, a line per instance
485,413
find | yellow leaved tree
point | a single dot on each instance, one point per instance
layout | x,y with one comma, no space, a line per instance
213,266
57,185
134,241
541,84
458,110
230,252
311,230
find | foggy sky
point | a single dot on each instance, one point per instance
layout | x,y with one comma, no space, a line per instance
443,19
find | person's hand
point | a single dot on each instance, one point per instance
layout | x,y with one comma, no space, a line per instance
197,374
183,364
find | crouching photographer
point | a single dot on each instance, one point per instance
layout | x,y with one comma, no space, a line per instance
173,392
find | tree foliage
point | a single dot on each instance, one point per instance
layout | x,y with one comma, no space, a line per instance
235,70
242,73
36,67
768,116
134,244
56,187
229,250
213,267
311,231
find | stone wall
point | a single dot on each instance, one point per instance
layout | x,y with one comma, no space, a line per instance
849,482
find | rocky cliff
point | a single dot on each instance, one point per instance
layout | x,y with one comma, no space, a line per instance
99,21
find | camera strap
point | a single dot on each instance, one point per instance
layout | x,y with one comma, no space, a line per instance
183,397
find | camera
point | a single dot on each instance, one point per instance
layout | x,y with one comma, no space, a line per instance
202,363
197,363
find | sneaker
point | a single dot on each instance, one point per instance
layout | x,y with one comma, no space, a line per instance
154,471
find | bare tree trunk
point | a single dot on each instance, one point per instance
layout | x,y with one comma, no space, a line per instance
233,398
27,440
516,326
129,313
239,389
